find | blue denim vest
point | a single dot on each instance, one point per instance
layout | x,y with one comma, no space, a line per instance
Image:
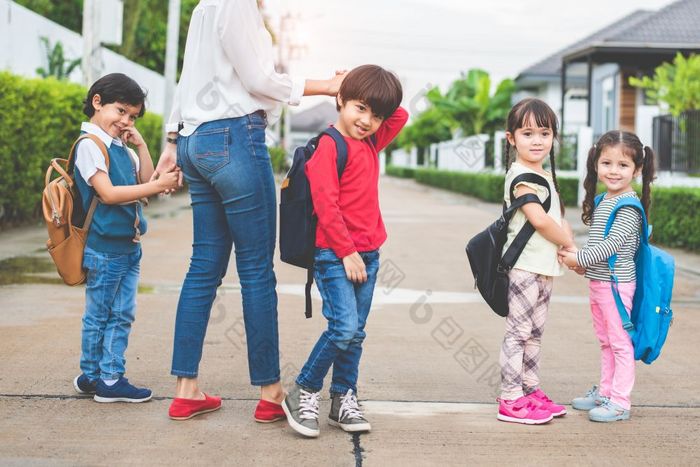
112,229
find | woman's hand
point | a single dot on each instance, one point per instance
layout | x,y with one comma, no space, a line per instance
355,268
335,82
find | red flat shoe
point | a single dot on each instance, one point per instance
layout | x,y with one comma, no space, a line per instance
184,409
268,412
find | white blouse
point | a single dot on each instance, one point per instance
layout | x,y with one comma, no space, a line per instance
228,68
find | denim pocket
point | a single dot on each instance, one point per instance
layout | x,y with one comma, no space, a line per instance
256,120
211,149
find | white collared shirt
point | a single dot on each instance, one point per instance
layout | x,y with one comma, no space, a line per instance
88,157
228,68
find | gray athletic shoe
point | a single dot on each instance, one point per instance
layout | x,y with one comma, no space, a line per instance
346,414
591,400
301,408
608,412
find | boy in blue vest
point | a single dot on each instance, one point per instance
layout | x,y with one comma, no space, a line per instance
113,249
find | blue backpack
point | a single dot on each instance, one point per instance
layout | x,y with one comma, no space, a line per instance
297,218
651,314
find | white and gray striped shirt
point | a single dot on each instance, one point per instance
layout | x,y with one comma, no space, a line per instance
623,239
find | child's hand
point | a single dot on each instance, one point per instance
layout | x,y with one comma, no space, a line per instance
168,181
131,135
568,258
355,268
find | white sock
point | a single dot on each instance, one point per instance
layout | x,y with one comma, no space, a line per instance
110,382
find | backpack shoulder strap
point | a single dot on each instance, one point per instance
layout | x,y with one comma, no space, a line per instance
511,255
598,199
71,165
100,144
644,239
340,146
532,178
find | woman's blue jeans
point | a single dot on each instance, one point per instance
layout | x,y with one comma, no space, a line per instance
346,306
227,167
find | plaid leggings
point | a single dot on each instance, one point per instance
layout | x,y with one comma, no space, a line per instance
528,300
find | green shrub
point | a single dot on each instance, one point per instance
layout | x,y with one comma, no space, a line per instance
674,215
400,172
485,186
40,120
278,157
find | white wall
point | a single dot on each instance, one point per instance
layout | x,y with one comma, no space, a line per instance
461,155
21,51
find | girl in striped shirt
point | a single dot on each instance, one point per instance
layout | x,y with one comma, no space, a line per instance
615,161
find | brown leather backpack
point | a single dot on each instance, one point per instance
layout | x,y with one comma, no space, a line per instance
68,227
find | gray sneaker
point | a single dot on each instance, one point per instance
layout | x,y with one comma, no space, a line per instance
591,400
608,412
301,408
346,414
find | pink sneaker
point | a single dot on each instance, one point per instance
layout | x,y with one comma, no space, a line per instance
543,402
522,410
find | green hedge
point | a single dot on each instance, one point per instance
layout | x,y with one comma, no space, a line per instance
400,172
486,186
674,211
674,215
40,120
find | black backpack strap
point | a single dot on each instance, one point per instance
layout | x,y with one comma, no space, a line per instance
340,146
307,291
510,257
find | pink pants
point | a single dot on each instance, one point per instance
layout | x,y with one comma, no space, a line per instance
616,351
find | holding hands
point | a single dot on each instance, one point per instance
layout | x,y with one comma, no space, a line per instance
167,165
567,254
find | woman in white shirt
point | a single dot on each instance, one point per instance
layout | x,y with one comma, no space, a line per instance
227,94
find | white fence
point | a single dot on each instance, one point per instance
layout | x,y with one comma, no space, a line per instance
460,155
21,51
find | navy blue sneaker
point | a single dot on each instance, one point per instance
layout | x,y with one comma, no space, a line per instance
121,391
83,385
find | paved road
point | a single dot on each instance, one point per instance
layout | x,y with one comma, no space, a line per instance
428,379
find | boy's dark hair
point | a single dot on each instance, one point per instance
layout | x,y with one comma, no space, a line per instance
378,88
642,157
115,87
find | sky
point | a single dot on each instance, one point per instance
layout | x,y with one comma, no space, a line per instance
429,42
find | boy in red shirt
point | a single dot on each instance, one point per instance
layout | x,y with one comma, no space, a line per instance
348,236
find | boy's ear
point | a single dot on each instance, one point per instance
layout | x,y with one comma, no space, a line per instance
96,101
338,100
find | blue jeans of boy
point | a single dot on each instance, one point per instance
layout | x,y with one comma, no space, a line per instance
227,168
110,306
346,306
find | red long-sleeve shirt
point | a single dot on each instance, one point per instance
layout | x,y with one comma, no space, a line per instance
348,213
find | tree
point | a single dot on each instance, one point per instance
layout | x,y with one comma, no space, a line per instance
57,65
677,85
470,105
431,126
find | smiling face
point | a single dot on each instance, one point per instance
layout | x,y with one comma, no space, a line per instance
532,143
616,170
356,119
114,117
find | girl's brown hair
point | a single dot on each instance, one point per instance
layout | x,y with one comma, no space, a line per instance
642,157
544,117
